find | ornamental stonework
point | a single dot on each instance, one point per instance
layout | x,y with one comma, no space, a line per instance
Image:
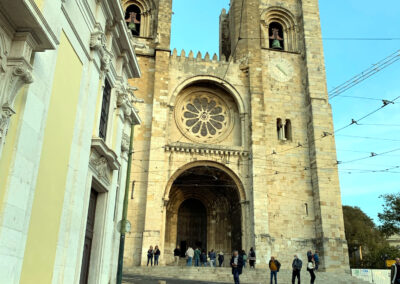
203,117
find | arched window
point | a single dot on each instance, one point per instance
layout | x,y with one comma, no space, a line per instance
280,129
288,130
276,36
279,30
133,19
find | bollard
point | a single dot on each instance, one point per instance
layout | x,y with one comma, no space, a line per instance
162,282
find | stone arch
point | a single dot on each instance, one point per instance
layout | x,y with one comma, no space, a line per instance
220,224
147,9
207,163
230,89
284,18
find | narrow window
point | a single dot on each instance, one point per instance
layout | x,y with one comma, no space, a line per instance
306,208
105,106
132,19
288,130
276,38
279,129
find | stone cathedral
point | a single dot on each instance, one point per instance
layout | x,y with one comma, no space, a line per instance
235,150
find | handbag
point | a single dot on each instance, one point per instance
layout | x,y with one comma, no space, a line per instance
310,265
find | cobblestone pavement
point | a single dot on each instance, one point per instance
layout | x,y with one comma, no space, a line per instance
139,279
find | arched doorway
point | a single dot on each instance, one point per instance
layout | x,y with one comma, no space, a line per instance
192,225
204,211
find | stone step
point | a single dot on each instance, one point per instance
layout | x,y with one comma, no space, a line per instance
253,276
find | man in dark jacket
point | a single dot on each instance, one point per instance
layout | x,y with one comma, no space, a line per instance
177,254
274,266
395,272
237,265
296,265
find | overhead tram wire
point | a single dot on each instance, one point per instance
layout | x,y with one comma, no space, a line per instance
375,68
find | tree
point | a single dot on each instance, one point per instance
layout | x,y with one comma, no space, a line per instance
390,218
362,232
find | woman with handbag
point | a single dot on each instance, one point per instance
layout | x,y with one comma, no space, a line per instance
310,269
252,258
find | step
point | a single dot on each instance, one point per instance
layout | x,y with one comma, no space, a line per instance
222,274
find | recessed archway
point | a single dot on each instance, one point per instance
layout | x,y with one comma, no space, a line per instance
204,211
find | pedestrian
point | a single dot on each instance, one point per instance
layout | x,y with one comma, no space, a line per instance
309,256
203,258
177,254
310,269
220,258
237,265
244,255
150,256
189,256
316,260
252,258
274,266
296,266
197,253
213,258
395,272
157,253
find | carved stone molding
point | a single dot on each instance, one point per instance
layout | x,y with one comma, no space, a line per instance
189,148
98,43
5,114
125,143
103,161
126,99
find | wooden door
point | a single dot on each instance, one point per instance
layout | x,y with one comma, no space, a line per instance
88,237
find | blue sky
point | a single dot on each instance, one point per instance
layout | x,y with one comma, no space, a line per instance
195,27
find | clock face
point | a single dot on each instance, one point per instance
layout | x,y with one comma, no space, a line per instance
281,69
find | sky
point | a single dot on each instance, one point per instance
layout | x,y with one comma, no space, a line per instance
195,27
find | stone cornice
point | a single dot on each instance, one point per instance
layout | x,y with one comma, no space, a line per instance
205,149
104,151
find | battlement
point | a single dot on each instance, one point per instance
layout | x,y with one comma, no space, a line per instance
199,57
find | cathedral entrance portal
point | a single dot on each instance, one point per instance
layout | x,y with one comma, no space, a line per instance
204,211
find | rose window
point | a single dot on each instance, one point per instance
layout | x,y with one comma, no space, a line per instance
203,117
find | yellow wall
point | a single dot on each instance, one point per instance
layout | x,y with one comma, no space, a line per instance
7,157
49,194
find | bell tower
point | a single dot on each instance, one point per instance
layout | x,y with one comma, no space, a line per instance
291,136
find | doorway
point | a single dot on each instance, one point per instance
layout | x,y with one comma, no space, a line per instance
87,247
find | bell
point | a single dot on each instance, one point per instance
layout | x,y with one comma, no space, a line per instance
276,44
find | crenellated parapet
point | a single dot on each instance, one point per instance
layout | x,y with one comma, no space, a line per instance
204,64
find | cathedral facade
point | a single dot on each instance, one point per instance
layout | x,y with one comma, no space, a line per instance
235,150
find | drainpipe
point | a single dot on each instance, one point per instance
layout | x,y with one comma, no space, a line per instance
125,211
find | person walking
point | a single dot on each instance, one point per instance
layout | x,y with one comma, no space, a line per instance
213,258
316,260
244,255
395,272
252,258
296,266
203,258
237,265
197,253
220,258
189,255
150,253
177,254
274,266
156,253
310,269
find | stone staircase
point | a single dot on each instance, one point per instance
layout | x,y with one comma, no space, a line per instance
223,275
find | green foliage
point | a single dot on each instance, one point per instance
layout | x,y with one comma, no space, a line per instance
361,231
390,218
